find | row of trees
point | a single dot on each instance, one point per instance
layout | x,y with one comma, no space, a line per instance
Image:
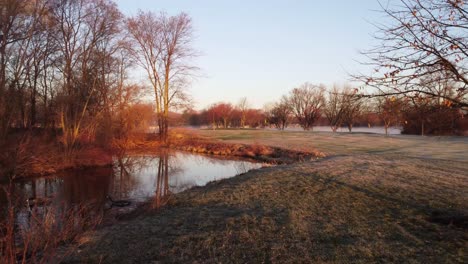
309,105
64,64
305,103
224,115
339,106
422,115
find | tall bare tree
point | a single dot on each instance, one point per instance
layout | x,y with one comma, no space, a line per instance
164,50
15,27
84,27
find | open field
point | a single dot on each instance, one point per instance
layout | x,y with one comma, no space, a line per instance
392,200
447,148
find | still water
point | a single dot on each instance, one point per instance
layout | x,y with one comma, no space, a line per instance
134,177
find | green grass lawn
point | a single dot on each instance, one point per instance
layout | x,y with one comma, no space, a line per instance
372,200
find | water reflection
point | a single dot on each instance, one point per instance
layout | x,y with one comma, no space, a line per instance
133,177
141,177
162,192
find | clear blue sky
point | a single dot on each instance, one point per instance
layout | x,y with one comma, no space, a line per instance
261,49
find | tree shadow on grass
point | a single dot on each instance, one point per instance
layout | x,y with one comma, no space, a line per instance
209,232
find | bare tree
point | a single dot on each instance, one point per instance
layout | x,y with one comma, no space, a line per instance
389,110
39,49
164,49
424,39
352,106
333,108
15,27
243,107
343,107
307,102
84,28
280,114
423,107
220,114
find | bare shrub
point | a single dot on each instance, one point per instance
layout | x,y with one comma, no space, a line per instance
39,238
16,158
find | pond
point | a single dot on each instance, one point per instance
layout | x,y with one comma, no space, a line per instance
135,178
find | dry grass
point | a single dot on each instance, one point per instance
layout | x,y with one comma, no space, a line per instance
32,155
372,199
365,208
39,235
187,141
136,143
448,148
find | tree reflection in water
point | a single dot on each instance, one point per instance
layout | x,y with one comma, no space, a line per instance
162,193
168,172
169,166
126,178
133,177
138,177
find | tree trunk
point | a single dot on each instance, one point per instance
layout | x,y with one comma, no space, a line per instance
46,121
32,119
422,127
3,108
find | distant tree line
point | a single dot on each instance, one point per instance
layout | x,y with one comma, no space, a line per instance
226,115
310,105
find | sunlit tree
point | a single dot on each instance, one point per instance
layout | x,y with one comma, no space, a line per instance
163,47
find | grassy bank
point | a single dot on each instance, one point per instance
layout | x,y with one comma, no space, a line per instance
341,209
194,142
368,201
448,148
